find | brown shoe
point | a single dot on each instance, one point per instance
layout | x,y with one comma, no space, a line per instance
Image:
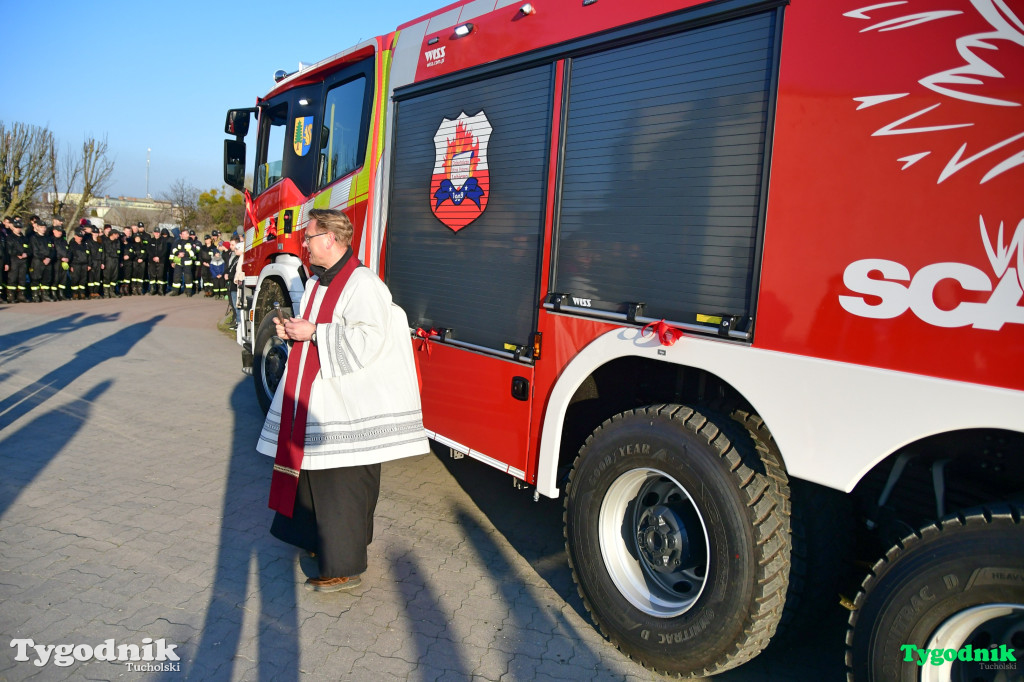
333,584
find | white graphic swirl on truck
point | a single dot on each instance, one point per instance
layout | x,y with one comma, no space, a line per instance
887,289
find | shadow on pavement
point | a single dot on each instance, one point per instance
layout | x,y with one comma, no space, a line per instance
116,345
423,608
534,529
246,546
10,342
27,451
556,641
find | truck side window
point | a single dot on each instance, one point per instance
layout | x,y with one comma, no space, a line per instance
341,133
272,129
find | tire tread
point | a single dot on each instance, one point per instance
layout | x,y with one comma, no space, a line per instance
1008,514
767,499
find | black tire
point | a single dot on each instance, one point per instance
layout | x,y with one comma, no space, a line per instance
677,532
270,354
822,532
948,574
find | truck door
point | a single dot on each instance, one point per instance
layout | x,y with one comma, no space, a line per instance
286,155
464,251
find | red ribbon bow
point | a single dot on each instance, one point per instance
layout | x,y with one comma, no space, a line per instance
424,336
667,334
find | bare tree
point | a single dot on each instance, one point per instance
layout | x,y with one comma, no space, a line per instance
25,166
97,168
185,198
66,169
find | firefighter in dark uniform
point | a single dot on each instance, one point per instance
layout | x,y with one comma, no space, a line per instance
78,268
41,269
206,252
155,249
183,255
165,236
138,251
60,260
125,254
5,229
111,261
196,262
18,254
96,254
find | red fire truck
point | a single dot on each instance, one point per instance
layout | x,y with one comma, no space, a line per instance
741,280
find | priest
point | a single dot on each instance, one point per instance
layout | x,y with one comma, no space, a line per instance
348,401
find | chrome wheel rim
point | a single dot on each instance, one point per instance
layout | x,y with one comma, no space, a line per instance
275,357
654,542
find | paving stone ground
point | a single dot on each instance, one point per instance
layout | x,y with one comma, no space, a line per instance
133,505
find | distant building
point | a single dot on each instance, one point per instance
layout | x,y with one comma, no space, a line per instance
120,211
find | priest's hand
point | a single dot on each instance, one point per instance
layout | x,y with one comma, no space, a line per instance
295,329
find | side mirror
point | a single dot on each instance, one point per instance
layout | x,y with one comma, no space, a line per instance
237,122
234,163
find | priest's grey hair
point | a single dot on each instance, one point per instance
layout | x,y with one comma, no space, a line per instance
335,222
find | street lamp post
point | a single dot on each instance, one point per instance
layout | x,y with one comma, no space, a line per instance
148,150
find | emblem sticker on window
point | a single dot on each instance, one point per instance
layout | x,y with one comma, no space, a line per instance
303,134
461,181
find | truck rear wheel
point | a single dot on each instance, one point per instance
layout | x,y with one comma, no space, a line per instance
678,537
270,354
955,583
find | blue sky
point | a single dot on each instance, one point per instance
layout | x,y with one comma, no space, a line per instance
162,75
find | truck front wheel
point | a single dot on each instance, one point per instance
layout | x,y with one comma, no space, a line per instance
270,354
677,531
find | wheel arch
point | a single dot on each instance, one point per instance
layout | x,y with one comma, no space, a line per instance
605,361
805,402
286,272
938,474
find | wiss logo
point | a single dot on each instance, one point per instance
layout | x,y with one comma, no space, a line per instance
434,57
974,81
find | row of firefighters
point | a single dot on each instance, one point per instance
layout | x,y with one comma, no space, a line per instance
41,264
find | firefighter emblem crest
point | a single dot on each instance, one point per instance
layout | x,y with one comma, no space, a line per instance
461,181
303,134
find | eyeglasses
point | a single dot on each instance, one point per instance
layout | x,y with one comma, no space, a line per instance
307,237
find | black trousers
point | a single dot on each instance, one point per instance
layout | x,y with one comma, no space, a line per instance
109,273
179,272
79,278
138,273
156,276
95,276
333,517
42,277
16,278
